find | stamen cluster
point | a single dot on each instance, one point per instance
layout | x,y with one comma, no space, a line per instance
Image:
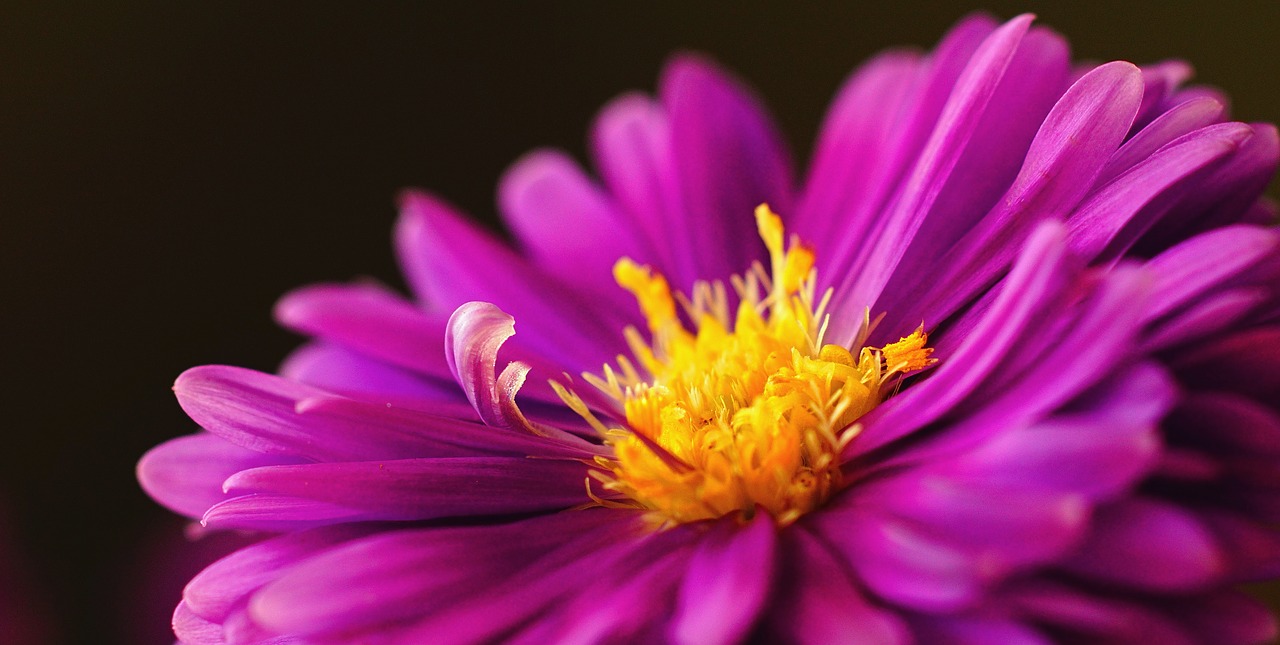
742,414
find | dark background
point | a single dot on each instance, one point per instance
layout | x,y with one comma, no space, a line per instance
168,170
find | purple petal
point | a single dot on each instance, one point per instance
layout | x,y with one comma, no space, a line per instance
194,630
450,261
370,320
542,561
728,158
877,258
726,584
1181,120
568,225
224,585
1094,618
1034,81
634,606
186,474
964,630
1084,128
818,604
1149,545
631,146
476,331
1204,262
1115,216
343,371
1035,279
422,489
931,85
409,574
907,566
1212,314
860,152
1228,195
269,414
1099,337
1225,423
280,514
1096,452
1159,82
1009,525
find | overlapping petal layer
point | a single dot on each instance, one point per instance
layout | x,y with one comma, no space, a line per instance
1093,459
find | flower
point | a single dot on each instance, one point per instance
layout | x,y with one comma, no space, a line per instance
1002,368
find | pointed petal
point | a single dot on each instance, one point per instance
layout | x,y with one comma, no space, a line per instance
1149,545
1081,132
877,258
726,585
819,604
450,261
728,159
422,489
371,320
186,474
568,225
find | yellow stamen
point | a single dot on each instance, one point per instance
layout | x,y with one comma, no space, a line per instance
738,414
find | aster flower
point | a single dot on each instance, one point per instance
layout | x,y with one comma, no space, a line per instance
1000,369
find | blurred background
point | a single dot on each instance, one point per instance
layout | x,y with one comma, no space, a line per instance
168,169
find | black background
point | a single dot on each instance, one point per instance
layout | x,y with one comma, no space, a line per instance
168,170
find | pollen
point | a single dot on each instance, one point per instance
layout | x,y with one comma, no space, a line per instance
738,414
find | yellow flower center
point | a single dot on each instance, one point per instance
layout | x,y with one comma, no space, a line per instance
742,413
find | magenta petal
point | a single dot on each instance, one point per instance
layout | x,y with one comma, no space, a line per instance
909,567
1008,525
1243,363
633,606
421,489
225,584
275,514
859,153
1095,618
370,320
450,261
992,158
1115,216
1149,545
408,574
476,331
1171,125
726,584
819,604
194,630
871,269
965,630
1077,137
440,585
1035,279
186,474
1160,81
269,414
568,225
1204,262
728,159
343,371
931,86
1096,452
1101,333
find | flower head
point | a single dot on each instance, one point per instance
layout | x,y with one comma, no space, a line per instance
1002,368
